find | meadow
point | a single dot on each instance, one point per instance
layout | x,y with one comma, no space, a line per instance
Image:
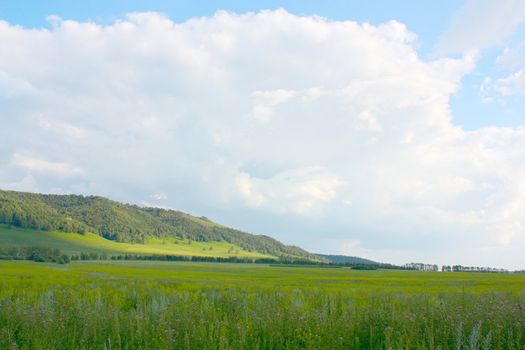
182,305
74,244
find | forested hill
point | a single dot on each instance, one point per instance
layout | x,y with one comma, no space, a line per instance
126,223
343,259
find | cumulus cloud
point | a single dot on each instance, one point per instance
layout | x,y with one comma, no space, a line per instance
313,131
511,78
297,190
480,24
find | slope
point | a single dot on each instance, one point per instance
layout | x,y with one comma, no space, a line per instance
125,223
74,244
344,259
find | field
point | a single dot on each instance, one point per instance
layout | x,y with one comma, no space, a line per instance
74,243
168,305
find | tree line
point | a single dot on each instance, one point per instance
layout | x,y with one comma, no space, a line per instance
460,268
38,254
45,254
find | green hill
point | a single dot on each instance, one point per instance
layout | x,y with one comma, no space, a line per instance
100,222
343,259
74,244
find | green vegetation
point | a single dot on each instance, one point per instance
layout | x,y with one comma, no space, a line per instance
75,244
39,254
343,259
156,305
130,304
126,223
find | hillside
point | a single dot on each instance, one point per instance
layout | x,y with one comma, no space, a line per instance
125,223
75,244
343,259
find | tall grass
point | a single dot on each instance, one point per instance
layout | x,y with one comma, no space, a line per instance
157,306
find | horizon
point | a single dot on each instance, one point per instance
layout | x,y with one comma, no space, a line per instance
311,252
393,134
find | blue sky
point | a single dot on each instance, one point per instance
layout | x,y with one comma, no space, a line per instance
427,19
384,129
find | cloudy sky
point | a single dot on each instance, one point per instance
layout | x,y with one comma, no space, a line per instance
389,130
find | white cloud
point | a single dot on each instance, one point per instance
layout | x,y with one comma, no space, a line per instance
245,188
353,247
269,121
63,129
159,196
485,90
298,191
513,84
13,87
370,122
480,24
511,79
267,101
40,166
512,57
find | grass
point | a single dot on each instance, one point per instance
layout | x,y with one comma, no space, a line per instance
163,305
74,243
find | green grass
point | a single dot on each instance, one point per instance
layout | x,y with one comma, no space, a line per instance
167,305
74,243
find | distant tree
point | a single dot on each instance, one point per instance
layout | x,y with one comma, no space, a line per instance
63,259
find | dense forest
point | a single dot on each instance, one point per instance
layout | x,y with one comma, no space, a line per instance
127,223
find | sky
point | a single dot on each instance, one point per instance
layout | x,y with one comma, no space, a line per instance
391,130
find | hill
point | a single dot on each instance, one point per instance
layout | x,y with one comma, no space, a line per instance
75,244
343,259
125,223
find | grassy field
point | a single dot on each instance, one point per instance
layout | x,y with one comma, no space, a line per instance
162,305
74,243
